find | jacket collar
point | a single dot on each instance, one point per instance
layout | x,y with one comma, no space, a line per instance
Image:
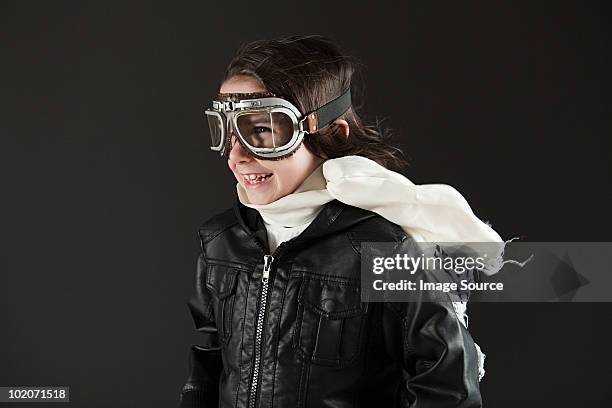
334,217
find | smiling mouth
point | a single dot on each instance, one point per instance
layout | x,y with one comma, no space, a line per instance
254,179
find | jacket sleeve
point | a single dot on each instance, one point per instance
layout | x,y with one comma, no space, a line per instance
437,354
205,363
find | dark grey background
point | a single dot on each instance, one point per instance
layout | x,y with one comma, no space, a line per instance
106,173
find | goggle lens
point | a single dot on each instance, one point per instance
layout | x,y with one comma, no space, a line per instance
265,129
216,126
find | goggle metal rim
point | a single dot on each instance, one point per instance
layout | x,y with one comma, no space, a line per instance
223,120
270,105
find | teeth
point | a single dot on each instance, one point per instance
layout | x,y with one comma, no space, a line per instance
255,177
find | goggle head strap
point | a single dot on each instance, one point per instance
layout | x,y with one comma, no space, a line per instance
327,113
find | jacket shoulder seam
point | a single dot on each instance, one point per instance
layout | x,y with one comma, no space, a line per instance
217,224
207,238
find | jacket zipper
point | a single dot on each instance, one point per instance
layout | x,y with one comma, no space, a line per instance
268,259
261,312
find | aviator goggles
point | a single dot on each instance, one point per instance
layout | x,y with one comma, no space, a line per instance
268,127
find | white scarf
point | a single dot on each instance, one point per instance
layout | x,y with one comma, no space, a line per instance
433,213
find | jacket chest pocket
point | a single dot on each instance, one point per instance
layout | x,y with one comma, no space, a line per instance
221,280
330,322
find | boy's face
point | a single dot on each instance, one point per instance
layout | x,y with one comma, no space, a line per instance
284,176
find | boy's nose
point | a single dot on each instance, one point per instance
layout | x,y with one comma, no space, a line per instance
236,151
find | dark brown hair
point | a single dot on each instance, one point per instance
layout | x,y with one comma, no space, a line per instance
310,71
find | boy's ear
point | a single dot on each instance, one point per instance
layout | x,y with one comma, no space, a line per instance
343,126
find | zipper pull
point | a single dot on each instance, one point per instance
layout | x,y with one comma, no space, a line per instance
268,259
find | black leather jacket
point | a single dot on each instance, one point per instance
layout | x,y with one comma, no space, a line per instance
302,337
